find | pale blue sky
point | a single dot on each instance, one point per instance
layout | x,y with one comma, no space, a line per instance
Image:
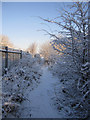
20,24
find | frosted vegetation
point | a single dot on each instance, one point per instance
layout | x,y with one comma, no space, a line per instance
73,66
54,83
23,75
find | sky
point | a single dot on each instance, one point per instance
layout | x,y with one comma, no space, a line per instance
21,22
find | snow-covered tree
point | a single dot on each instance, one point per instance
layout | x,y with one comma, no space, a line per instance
75,26
32,49
89,31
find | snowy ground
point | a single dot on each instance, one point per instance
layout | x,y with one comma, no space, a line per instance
32,90
38,102
40,105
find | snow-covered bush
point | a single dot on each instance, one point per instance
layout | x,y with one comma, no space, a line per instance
64,67
14,84
84,86
38,58
71,94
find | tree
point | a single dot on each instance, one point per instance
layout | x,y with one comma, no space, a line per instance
32,48
75,26
89,32
4,41
47,51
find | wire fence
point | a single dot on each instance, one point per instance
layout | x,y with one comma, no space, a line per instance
9,57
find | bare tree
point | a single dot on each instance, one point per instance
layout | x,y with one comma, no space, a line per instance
4,41
32,48
47,51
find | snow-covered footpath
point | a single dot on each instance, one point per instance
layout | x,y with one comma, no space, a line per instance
40,105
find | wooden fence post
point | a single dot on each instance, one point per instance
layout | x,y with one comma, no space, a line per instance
20,54
6,59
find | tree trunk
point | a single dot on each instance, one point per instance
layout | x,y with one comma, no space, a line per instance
89,31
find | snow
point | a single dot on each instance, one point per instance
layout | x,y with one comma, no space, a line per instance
37,100
40,99
32,89
26,73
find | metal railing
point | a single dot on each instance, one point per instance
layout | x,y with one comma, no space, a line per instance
9,57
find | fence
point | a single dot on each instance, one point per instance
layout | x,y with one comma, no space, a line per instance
9,57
